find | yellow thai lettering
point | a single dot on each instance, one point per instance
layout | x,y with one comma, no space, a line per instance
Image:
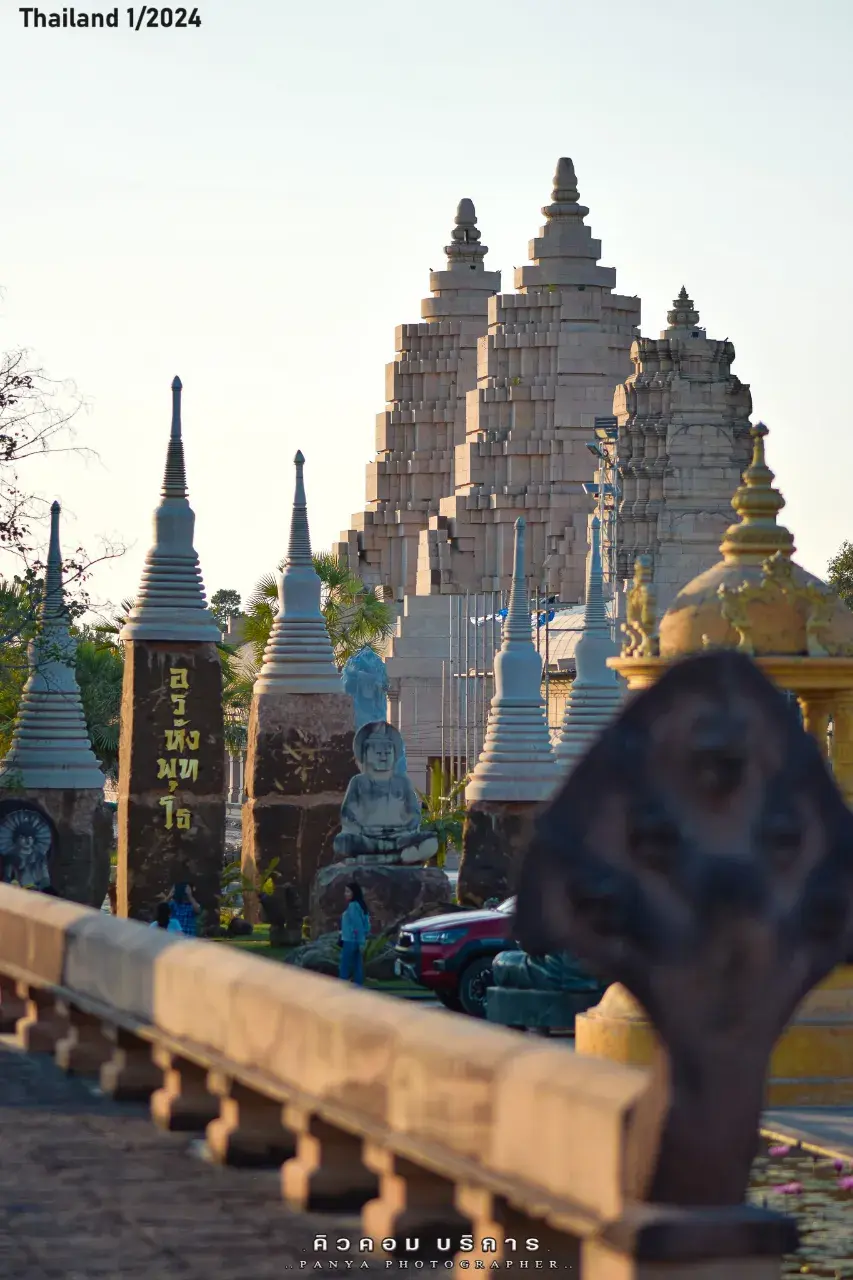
175,740
168,804
189,770
166,768
193,739
178,678
179,701
184,819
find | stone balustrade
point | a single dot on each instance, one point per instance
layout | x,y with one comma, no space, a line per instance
426,1124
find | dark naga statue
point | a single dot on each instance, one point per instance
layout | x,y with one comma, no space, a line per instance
701,855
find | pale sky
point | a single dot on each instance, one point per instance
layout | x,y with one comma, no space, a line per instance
255,204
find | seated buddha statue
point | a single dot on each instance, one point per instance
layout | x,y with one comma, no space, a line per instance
381,813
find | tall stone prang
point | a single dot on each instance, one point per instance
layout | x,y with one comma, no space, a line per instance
426,386
171,788
55,829
517,770
596,690
683,444
299,756
546,368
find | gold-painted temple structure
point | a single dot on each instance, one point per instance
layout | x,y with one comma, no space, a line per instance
759,601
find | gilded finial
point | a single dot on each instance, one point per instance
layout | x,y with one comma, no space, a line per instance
641,627
757,536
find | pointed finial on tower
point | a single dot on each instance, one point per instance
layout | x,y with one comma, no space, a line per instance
299,548
171,603
683,314
299,656
53,604
757,502
596,691
517,762
175,476
466,249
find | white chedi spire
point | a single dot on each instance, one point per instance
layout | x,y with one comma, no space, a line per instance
299,657
50,747
596,692
171,603
517,762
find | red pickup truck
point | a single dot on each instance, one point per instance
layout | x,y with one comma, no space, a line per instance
452,954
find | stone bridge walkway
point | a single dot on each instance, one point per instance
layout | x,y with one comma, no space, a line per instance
89,1188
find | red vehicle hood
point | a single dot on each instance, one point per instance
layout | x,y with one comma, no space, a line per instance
460,919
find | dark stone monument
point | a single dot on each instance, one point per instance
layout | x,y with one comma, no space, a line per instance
55,829
171,801
299,757
701,855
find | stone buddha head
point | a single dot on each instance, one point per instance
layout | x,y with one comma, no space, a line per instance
377,747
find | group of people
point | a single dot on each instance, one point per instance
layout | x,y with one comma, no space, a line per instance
179,912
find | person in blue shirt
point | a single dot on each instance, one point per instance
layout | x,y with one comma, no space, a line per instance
165,919
355,929
184,908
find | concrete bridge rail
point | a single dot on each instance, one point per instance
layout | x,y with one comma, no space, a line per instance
427,1124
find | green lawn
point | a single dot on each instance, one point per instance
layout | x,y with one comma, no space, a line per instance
259,944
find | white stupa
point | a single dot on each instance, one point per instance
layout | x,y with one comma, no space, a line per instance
299,656
50,747
517,762
596,692
171,603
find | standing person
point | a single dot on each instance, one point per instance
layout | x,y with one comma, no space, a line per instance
165,920
355,928
184,907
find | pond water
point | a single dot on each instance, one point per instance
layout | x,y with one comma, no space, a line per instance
818,1193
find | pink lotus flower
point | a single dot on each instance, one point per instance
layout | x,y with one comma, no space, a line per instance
789,1188
779,1151
839,1165
846,1183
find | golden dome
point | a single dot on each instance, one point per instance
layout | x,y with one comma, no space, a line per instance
757,599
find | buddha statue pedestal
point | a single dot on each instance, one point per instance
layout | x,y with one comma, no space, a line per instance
543,993
811,1064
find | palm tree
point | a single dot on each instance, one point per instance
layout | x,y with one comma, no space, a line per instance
443,809
355,616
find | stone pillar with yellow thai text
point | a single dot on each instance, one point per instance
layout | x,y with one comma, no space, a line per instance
171,790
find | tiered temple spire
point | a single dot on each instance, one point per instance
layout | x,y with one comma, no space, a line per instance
171,603
517,763
50,747
596,691
683,314
299,657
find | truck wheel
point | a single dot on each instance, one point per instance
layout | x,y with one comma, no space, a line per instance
450,1000
473,985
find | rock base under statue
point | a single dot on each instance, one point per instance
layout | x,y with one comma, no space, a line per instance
811,1063
537,1010
494,836
393,894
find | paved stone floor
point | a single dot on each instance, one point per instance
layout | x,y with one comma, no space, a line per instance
89,1188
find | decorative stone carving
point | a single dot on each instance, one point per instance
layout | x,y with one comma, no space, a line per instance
558,972
641,627
365,679
700,856
55,829
381,813
26,843
816,601
683,421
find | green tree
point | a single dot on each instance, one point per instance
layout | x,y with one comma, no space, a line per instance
100,673
840,573
225,604
443,809
355,616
